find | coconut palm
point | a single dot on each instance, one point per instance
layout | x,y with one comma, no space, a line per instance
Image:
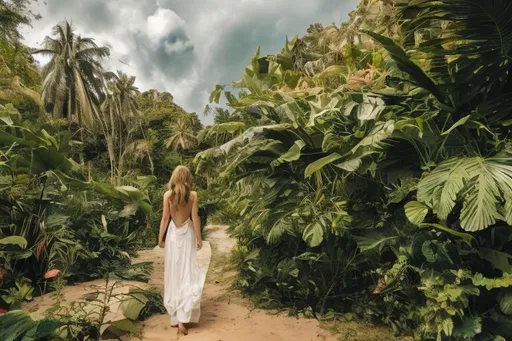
119,121
182,137
73,79
123,88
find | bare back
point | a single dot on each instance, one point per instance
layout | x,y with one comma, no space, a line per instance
184,211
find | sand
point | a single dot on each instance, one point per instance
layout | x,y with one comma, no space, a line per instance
225,315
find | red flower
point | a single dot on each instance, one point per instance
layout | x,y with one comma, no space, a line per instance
3,311
52,273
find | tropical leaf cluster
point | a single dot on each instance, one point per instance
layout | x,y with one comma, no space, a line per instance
83,166
374,174
52,217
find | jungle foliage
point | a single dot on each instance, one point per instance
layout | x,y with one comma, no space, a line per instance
370,169
84,161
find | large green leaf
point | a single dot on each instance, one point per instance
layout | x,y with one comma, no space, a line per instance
469,328
313,234
17,325
355,160
416,212
277,231
381,131
133,305
126,326
42,330
293,154
215,95
440,188
500,260
293,111
367,243
492,185
321,163
14,240
486,185
370,109
405,64
459,123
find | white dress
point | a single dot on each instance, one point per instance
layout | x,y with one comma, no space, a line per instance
184,280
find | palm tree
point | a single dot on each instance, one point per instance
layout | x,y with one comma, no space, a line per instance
73,79
120,122
182,136
122,87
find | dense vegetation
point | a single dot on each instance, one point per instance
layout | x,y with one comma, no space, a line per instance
365,170
369,169
84,160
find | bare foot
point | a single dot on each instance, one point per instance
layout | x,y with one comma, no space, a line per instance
182,328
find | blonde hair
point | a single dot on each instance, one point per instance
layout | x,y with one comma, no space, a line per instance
180,185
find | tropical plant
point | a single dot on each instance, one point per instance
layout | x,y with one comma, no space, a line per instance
56,218
110,310
388,156
17,325
73,82
182,137
19,77
121,125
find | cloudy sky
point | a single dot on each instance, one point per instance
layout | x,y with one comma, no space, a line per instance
186,46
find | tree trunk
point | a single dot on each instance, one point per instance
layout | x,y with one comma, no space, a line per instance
151,164
112,157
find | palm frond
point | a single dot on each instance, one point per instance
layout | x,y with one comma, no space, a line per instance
483,185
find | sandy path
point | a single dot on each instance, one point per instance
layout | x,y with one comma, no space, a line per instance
225,315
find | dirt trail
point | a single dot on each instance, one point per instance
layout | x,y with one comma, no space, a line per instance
225,316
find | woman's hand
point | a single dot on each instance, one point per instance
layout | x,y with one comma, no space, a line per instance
199,244
161,244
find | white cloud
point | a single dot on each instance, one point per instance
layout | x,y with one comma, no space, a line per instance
178,47
186,47
163,23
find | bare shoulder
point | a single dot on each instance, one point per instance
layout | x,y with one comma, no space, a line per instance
193,195
167,195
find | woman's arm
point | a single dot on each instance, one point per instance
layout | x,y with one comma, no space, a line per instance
196,220
165,219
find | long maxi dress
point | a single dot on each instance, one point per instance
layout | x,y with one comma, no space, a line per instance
184,280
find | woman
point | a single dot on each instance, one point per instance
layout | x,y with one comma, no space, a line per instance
180,235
